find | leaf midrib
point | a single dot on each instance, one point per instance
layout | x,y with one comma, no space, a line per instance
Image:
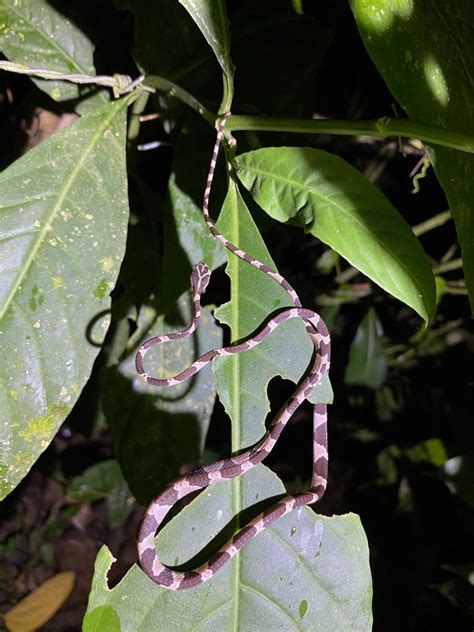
236,425
56,207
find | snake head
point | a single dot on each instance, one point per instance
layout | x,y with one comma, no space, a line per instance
200,277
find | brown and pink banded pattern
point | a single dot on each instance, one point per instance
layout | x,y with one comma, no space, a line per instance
228,468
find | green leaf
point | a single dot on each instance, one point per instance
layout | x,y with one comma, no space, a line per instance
242,379
189,228
63,222
180,53
294,576
367,365
96,482
187,239
335,203
33,33
302,557
425,52
104,480
431,450
210,16
156,430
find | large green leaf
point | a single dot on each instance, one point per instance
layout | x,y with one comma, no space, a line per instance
425,52
305,572
33,33
294,576
63,221
242,380
334,202
210,16
156,430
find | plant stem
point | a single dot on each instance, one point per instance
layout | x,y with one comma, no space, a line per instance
382,127
173,90
228,93
433,222
448,266
137,109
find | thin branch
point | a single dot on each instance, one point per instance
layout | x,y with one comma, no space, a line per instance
433,222
448,266
120,84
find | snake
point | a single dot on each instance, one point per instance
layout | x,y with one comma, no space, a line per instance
236,465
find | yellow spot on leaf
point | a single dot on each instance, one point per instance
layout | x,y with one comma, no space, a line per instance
13,393
43,427
107,264
64,394
58,281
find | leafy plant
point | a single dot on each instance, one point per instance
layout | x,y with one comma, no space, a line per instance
66,207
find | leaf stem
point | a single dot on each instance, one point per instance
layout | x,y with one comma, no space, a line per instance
228,93
382,127
173,90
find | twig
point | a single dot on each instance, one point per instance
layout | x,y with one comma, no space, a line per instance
433,222
448,266
120,84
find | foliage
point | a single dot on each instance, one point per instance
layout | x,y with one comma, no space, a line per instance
64,210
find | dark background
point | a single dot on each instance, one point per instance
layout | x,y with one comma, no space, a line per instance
418,523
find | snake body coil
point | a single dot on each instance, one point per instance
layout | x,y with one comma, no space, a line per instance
228,468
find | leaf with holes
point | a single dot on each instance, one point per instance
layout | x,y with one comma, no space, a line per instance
33,33
334,202
293,576
303,573
63,222
155,430
242,380
425,52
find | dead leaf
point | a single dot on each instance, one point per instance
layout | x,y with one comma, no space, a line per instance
40,605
